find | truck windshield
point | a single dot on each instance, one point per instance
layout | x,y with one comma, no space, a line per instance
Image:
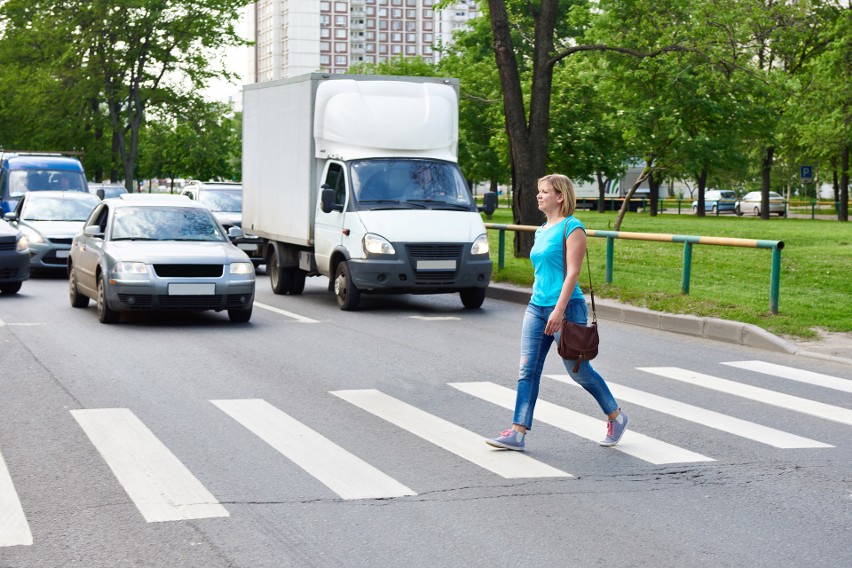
22,181
408,183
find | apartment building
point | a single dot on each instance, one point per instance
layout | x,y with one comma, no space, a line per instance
293,37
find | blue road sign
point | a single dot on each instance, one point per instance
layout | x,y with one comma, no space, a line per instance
807,172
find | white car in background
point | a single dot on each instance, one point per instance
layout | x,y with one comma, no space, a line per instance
750,203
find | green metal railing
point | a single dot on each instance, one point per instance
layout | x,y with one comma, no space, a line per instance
687,240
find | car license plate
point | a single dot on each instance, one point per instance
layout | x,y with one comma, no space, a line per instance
247,247
436,265
192,289
62,254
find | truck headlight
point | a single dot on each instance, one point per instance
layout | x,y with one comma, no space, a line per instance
374,244
480,245
242,268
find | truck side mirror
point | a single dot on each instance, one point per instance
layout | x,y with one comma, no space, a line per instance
489,203
327,203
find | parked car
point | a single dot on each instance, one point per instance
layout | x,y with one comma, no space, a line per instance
109,189
21,173
150,252
50,219
750,203
717,201
225,200
14,259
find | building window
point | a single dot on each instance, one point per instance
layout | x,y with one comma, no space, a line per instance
410,50
325,59
340,33
396,49
396,37
340,60
325,46
340,6
340,47
340,20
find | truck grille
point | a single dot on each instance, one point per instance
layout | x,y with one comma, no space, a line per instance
440,251
189,270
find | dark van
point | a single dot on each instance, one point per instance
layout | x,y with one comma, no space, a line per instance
21,173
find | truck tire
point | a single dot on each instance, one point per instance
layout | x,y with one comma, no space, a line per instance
286,280
347,294
472,298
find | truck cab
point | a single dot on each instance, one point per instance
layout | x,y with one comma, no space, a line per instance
20,173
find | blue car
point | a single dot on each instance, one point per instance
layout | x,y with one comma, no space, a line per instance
20,173
716,201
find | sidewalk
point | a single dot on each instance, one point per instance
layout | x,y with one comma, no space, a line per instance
834,347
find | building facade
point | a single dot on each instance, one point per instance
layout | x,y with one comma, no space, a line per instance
293,37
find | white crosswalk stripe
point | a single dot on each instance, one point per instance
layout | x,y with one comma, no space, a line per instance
14,529
462,442
800,375
633,443
709,418
162,488
766,396
347,475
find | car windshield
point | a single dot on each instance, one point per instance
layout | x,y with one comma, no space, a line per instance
222,200
165,224
409,183
22,181
57,209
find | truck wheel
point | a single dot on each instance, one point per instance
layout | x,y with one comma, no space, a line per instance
472,298
78,300
277,277
105,314
348,295
297,281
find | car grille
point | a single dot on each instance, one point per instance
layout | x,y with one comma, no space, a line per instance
51,258
9,273
60,241
434,252
8,245
212,302
189,270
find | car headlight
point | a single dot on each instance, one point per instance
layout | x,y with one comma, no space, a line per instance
130,271
480,245
33,236
374,244
242,268
22,244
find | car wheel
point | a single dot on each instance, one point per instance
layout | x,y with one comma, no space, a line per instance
714,210
239,316
472,298
695,209
78,300
757,211
738,211
105,313
10,288
348,295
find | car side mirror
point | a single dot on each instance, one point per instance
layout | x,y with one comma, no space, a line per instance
101,194
327,204
11,216
235,233
489,203
93,231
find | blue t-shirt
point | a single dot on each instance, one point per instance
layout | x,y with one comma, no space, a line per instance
548,262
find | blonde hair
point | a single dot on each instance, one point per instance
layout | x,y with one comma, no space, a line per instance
564,186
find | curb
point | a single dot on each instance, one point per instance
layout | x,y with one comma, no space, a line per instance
714,329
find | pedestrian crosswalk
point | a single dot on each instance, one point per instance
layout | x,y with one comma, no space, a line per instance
163,489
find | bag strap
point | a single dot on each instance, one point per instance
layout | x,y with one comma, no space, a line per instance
588,265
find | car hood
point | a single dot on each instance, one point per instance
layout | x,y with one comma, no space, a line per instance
55,228
171,252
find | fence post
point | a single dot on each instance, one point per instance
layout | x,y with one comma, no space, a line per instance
610,245
501,249
775,279
687,267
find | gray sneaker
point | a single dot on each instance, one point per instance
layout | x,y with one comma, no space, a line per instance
509,439
615,430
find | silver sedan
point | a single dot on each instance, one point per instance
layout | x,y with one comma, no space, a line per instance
141,252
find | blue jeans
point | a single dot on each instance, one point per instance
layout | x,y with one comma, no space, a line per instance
534,347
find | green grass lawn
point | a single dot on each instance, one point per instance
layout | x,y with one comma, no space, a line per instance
726,282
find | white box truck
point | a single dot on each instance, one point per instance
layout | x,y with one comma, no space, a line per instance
355,177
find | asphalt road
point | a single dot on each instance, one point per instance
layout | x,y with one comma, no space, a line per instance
315,437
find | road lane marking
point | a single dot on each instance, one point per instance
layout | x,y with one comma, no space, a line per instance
14,529
807,377
463,443
766,396
633,443
162,488
296,317
347,475
709,418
